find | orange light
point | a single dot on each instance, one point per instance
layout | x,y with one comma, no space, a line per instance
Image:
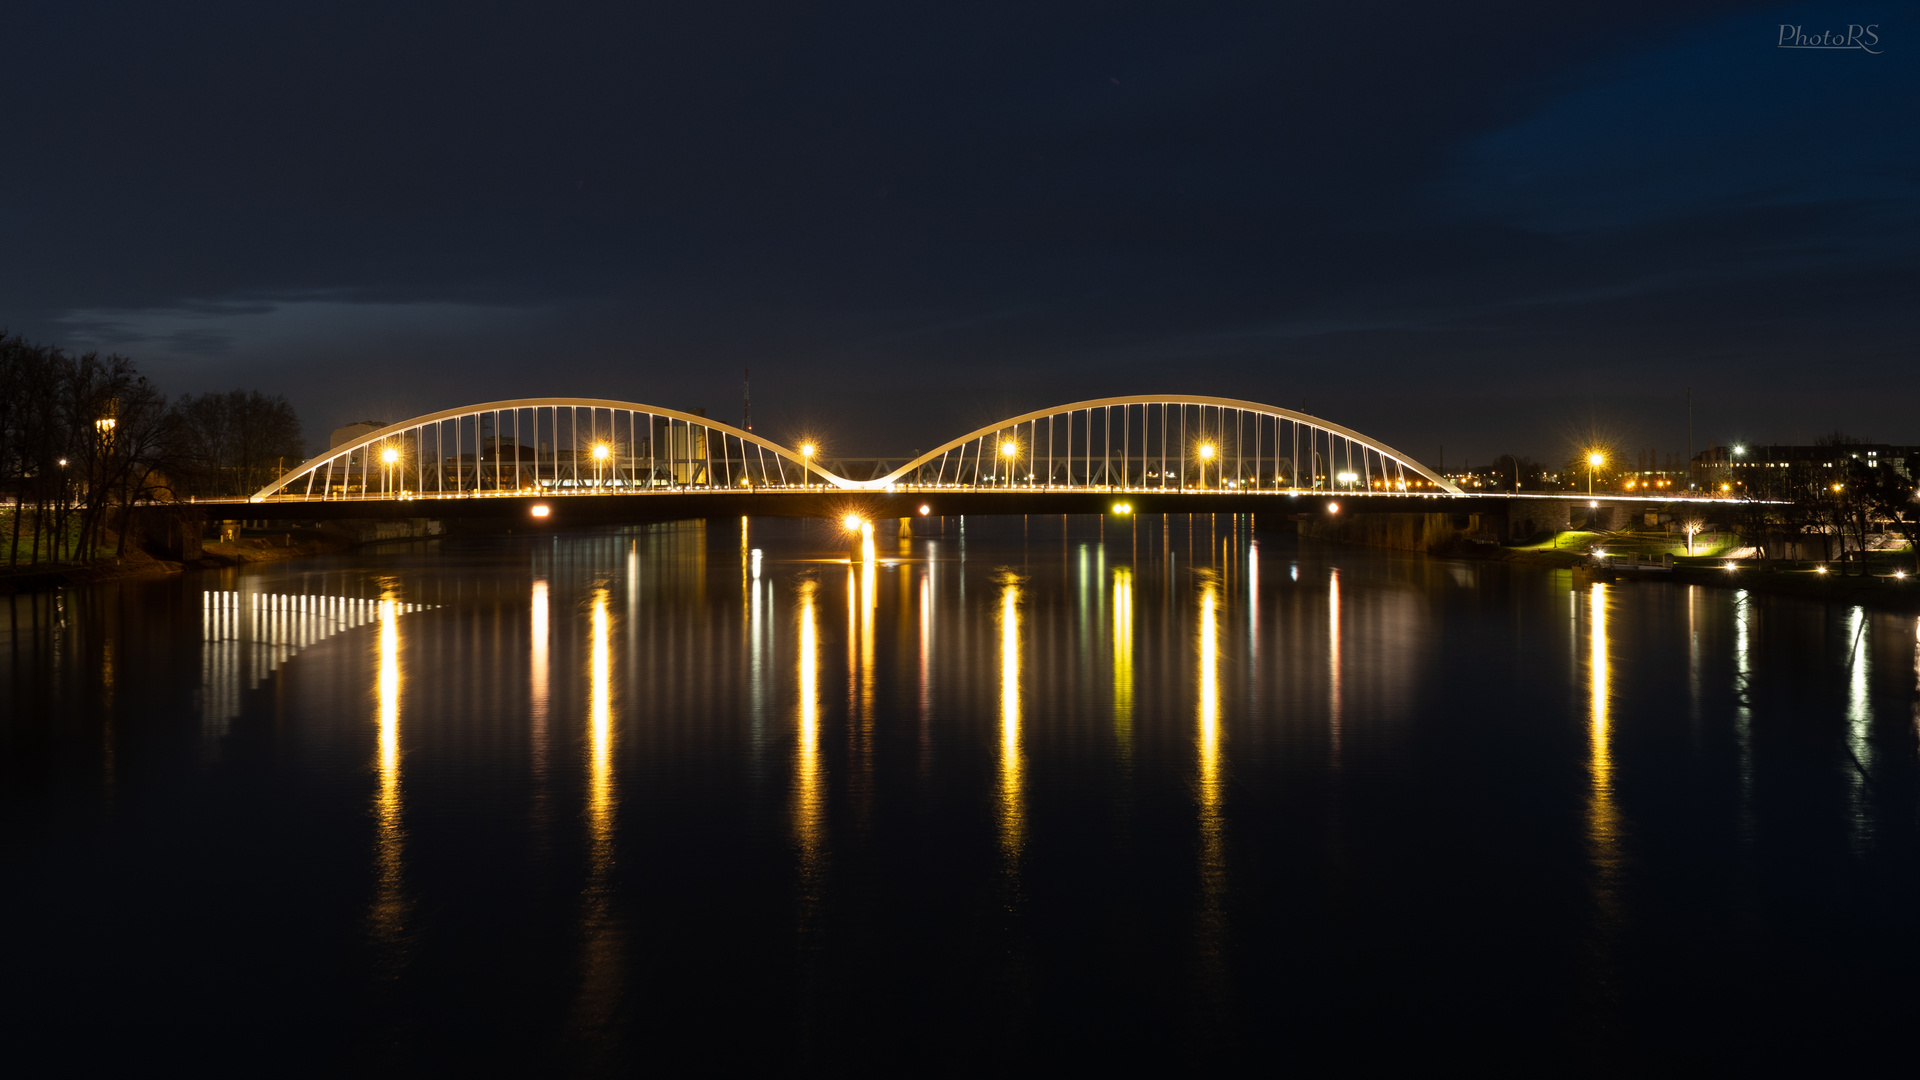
852,522
925,510
540,510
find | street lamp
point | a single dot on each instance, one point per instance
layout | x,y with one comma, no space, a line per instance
1008,450
1594,461
389,456
601,452
1206,455
806,454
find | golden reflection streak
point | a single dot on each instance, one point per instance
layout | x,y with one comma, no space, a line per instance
600,793
390,906
1334,701
808,796
1213,871
1123,660
869,603
601,972
539,692
1603,817
1012,801
926,671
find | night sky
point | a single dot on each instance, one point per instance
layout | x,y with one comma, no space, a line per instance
1493,227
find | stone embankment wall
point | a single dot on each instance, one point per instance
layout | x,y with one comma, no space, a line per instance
361,531
1395,532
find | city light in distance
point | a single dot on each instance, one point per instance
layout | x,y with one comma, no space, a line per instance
1123,508
540,510
1819,569
925,509
1333,508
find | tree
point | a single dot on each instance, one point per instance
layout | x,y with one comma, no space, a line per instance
234,443
1516,472
1894,500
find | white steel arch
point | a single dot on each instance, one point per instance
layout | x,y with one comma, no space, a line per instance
1171,442
548,445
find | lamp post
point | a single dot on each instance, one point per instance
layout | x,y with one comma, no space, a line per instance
601,453
388,457
806,456
1009,450
1594,461
1206,455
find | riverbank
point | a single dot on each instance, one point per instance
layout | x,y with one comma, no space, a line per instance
135,564
1884,590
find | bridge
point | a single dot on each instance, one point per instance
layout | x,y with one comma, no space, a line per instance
592,460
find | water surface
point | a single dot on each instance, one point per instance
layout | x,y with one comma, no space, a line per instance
1042,793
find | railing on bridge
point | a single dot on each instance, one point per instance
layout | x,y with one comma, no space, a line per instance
554,446
1168,443
546,446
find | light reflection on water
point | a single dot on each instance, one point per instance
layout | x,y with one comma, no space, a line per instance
390,904
1213,863
1859,728
1013,809
602,933
809,803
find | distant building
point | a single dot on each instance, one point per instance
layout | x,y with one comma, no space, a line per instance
354,431
1740,461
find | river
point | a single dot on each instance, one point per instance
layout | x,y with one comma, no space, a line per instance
1033,793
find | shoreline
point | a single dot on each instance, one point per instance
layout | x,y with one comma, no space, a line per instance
137,565
1837,588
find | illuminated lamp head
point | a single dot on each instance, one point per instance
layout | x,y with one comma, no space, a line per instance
852,522
540,510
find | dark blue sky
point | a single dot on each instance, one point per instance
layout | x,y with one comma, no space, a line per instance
1493,226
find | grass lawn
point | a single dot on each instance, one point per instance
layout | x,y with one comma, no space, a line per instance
1627,543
